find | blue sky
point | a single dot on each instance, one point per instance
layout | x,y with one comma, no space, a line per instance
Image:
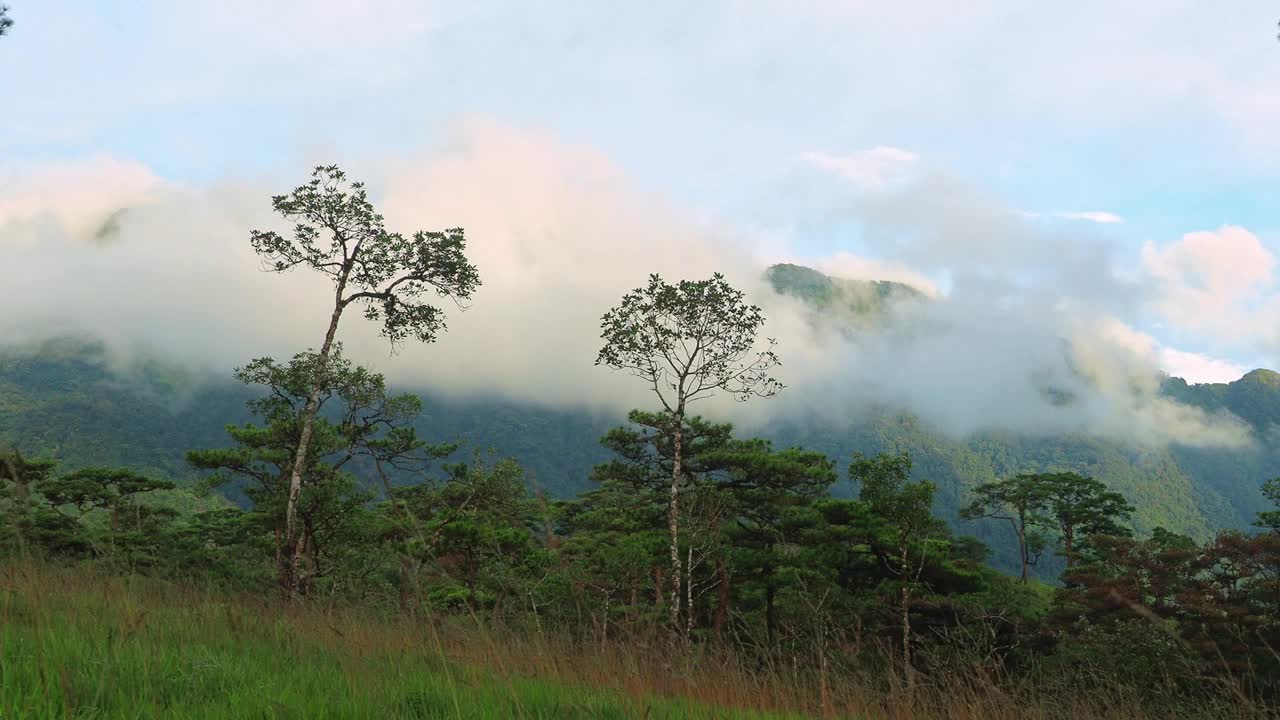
1160,116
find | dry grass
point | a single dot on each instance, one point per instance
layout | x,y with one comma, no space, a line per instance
78,643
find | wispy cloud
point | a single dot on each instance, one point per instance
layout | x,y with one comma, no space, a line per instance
1104,218
1095,216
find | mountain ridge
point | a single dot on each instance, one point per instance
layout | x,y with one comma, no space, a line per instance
64,399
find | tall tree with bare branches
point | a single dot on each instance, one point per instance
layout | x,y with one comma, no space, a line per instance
687,342
338,233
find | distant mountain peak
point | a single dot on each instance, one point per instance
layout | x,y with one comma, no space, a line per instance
1262,376
823,292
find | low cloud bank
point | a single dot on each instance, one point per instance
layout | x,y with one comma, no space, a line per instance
1032,333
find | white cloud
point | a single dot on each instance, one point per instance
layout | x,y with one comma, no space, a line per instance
1199,368
559,233
847,265
79,196
303,29
1219,285
816,72
1190,366
1096,216
872,169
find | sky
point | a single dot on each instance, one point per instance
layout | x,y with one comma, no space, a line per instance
1101,172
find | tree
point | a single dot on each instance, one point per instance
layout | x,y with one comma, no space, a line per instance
687,342
76,495
1081,506
646,461
1234,610
80,493
1124,576
615,539
910,528
6,22
359,422
49,511
1220,601
646,454
89,489
1019,501
384,272
764,486
476,531
1270,519
19,477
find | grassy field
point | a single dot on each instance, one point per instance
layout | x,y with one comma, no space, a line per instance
78,643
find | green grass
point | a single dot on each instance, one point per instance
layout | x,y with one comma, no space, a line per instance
79,642
78,646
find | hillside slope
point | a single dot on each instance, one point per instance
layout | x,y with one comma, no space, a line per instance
62,399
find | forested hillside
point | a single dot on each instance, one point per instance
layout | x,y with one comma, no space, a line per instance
63,399
842,299
567,361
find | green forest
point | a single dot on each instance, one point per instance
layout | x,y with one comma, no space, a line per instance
874,568
63,399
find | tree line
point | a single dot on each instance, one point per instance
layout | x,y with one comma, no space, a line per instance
693,535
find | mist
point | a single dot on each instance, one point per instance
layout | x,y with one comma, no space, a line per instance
1033,333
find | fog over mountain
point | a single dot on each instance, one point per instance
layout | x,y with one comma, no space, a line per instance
1009,438
1030,333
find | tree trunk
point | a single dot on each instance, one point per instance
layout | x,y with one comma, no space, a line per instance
604,623
279,550
824,690
1022,549
1068,540
673,520
820,647
115,525
658,587
905,600
289,565
907,669
722,600
22,501
769,622
404,583
688,594
308,554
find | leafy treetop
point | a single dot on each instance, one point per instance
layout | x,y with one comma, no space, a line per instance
338,232
688,341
